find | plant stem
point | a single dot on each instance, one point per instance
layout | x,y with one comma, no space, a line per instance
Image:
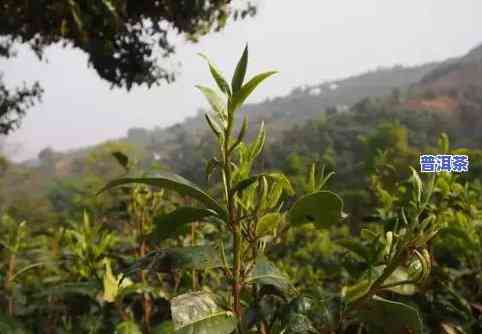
263,326
232,221
397,260
193,243
8,280
146,302
237,271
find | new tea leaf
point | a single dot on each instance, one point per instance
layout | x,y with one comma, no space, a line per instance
246,90
240,72
218,77
323,208
215,101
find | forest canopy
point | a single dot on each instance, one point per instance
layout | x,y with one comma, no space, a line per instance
126,40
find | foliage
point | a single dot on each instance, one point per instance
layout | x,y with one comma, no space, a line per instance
124,40
14,104
252,250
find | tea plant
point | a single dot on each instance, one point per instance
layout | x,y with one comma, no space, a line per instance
447,299
248,255
253,294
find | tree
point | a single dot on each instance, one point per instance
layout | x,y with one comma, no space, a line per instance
14,104
124,39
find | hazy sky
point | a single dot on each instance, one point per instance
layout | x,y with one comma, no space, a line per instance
308,41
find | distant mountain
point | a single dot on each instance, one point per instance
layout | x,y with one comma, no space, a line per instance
456,73
309,102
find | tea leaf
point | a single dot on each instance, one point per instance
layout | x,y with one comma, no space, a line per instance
240,72
241,134
166,327
418,184
198,313
174,223
399,275
403,318
89,289
182,258
122,159
10,325
128,327
238,99
218,77
213,125
215,101
321,208
257,146
356,291
356,247
268,224
276,177
266,273
172,182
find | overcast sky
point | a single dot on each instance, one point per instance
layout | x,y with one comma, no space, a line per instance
308,41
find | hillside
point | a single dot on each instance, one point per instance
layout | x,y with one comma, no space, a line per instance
457,73
175,146
305,103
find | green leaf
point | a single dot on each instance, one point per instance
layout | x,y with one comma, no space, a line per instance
391,317
449,328
459,234
75,10
356,291
182,258
443,144
321,208
240,72
356,247
9,325
257,146
215,101
238,99
243,184
108,4
283,181
215,128
294,316
198,313
211,166
268,224
166,327
175,223
122,159
418,184
114,285
277,177
312,178
241,134
172,182
266,273
299,323
218,77
140,288
111,285
399,275
89,289
128,327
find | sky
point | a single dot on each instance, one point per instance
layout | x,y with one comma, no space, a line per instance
307,41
